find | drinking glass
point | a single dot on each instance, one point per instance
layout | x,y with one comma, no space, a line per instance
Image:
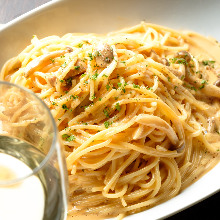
33,178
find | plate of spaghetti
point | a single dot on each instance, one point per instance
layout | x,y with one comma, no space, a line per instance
137,108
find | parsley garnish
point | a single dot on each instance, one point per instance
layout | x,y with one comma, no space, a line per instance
119,84
208,62
179,61
90,56
80,45
136,86
94,77
106,113
76,67
64,107
68,137
106,123
107,87
203,82
93,97
52,60
182,77
118,107
74,96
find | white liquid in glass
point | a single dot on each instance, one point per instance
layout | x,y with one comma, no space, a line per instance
23,201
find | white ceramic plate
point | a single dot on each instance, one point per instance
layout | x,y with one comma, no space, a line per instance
62,16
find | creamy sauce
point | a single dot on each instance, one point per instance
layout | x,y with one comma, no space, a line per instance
19,201
84,217
81,216
205,48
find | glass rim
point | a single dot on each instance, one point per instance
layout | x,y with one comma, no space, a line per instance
53,144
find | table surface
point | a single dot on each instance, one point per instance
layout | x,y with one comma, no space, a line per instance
10,9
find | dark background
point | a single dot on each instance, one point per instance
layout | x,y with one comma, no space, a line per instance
207,209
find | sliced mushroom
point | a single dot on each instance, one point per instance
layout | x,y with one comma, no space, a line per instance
158,59
36,63
183,55
217,83
69,49
52,80
165,61
80,66
207,89
181,146
211,126
103,55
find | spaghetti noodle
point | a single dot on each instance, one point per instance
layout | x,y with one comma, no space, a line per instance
138,111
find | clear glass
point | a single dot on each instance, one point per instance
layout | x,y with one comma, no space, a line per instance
33,176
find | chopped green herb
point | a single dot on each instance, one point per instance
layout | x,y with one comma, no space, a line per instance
71,138
203,82
93,97
107,87
179,61
168,79
65,136
118,107
182,77
74,96
52,60
208,62
53,103
68,137
76,67
94,77
136,86
80,45
106,123
106,113
90,56
119,84
100,99
86,82
64,107
69,81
